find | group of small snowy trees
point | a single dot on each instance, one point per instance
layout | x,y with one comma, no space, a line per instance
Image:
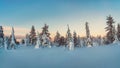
7,42
113,35
70,41
41,39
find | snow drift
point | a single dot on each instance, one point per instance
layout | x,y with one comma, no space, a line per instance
60,57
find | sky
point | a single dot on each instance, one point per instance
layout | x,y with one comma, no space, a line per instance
22,14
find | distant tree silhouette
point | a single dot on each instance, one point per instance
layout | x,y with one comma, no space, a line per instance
75,38
32,36
1,36
62,41
118,31
57,38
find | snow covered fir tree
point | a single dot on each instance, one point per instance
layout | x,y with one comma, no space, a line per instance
88,37
115,36
45,37
38,42
69,40
32,36
12,40
9,42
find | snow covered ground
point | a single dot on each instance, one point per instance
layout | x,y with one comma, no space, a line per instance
59,57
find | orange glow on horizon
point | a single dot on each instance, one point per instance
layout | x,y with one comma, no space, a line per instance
21,32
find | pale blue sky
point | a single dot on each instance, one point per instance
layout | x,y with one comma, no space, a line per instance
57,14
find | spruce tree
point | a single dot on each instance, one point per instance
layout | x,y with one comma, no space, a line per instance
68,35
87,30
118,31
57,38
32,36
1,36
109,29
70,41
45,30
88,38
79,44
45,37
62,41
1,32
75,38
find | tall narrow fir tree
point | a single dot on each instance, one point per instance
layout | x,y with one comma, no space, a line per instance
32,36
1,36
88,38
109,29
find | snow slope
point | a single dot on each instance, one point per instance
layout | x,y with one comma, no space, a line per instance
59,57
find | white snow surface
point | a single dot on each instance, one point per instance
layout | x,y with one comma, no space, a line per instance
60,57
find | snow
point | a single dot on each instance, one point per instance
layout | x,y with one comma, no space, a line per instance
60,57
71,46
5,44
37,42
